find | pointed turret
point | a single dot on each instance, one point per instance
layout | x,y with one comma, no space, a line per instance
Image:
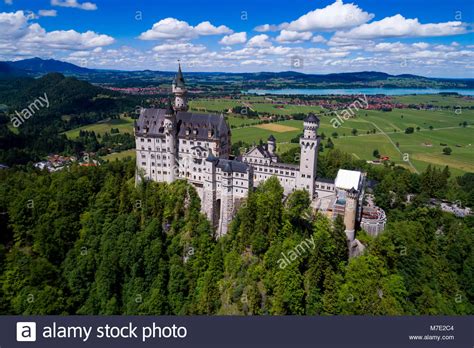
179,91
179,79
169,108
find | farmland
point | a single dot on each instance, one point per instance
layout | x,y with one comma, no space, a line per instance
434,129
423,146
123,124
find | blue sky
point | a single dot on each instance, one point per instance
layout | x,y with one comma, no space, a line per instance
431,38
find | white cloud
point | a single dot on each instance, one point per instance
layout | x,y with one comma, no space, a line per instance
293,36
270,27
13,25
179,48
169,28
318,39
255,62
234,39
421,45
65,39
174,29
19,37
259,41
206,28
88,6
332,17
47,13
399,26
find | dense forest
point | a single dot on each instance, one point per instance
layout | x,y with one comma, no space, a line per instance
88,241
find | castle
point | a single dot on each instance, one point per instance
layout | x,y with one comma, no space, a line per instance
173,144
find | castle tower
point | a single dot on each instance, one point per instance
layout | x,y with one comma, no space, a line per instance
350,213
227,204
271,144
209,201
170,136
309,154
180,92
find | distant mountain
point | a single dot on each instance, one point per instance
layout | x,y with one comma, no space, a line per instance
7,70
215,81
38,65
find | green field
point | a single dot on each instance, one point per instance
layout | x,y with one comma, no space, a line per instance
446,130
124,124
239,121
259,104
435,100
120,155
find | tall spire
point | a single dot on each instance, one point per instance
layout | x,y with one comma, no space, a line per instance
179,79
179,91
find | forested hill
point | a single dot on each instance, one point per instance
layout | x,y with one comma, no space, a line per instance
66,94
72,103
87,241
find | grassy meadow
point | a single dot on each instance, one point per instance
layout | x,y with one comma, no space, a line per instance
124,124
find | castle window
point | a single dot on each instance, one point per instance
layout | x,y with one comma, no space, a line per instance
149,140
142,140
143,163
143,156
184,141
152,163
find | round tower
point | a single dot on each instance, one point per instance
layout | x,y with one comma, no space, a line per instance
180,92
170,139
350,213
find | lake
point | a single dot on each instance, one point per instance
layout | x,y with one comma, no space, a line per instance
359,91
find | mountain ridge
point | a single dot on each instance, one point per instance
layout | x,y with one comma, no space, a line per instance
35,67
